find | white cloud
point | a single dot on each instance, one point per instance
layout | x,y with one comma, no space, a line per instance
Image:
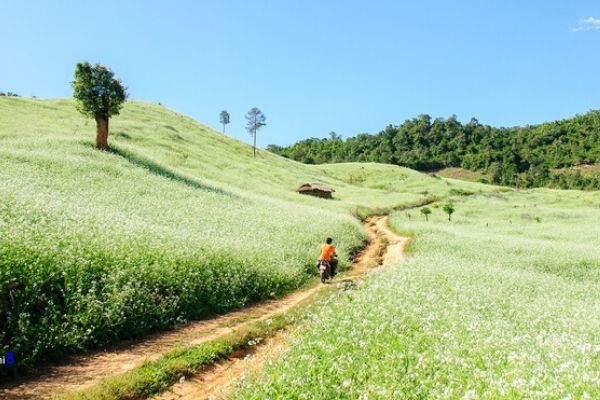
587,24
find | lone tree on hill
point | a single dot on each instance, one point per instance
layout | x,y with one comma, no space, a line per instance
256,120
98,95
426,211
224,118
449,209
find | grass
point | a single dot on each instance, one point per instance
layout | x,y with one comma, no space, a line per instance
176,222
492,305
179,222
152,378
462,174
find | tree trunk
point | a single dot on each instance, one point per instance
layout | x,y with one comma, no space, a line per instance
101,133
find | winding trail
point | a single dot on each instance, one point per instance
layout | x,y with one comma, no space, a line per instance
83,371
218,380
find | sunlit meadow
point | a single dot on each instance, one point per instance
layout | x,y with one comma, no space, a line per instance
177,222
502,302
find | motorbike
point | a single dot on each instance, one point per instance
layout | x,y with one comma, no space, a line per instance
325,270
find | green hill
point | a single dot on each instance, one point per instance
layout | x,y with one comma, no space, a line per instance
176,222
553,154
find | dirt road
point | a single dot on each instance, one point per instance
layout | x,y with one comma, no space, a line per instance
83,371
217,381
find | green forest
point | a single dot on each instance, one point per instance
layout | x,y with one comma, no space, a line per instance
559,154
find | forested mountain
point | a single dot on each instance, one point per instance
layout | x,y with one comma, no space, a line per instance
548,154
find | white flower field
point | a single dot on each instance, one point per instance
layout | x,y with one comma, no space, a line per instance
492,305
176,222
179,222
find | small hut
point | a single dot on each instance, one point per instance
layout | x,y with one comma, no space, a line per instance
316,189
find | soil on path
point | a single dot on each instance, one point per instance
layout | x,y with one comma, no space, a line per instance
217,381
83,371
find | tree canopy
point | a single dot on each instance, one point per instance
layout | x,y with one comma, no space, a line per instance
97,92
547,154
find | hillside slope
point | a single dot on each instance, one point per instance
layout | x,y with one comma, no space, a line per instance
176,222
500,303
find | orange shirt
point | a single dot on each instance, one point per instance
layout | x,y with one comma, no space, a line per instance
327,251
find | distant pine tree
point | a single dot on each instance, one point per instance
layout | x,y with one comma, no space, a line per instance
224,119
255,120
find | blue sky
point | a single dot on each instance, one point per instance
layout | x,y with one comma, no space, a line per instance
317,66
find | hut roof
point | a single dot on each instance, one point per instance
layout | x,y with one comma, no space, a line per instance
315,186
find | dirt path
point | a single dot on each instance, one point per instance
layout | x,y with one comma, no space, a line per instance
83,371
397,245
217,381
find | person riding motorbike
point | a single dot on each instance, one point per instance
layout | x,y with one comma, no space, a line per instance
328,256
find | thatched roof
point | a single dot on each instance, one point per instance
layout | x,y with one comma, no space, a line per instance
316,189
309,187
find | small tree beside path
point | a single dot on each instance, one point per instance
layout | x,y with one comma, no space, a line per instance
449,209
426,211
